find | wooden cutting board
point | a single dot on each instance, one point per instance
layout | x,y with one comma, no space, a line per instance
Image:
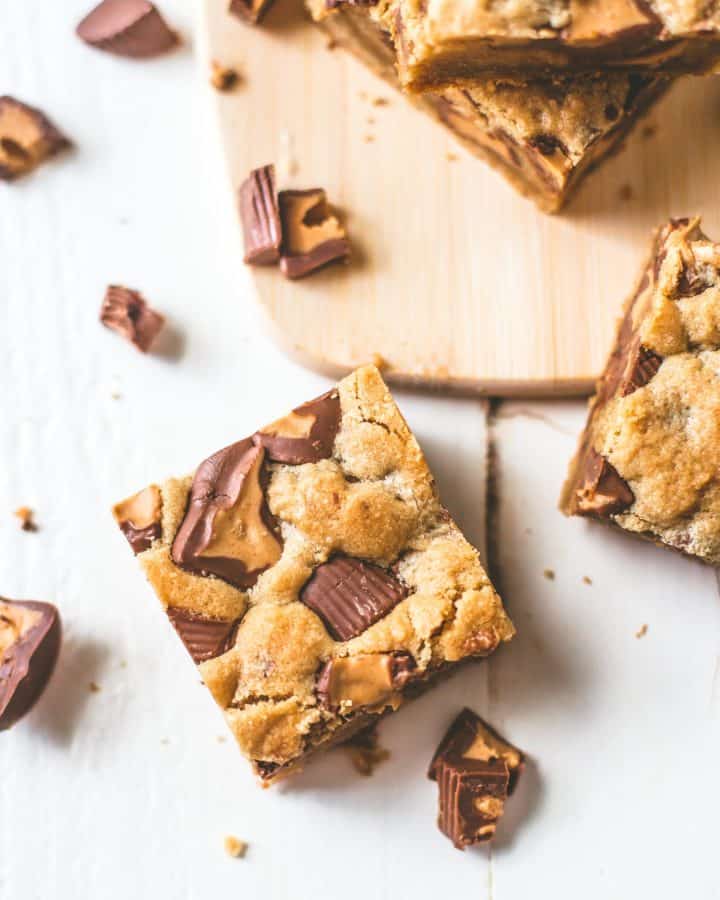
456,281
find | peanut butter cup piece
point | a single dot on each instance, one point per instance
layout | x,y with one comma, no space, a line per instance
350,595
306,435
476,770
312,235
131,28
27,138
127,313
260,217
139,518
29,645
228,531
372,681
602,492
203,637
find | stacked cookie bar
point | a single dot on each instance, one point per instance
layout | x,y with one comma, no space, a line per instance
542,90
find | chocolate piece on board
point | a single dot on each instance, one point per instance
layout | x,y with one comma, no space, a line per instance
27,138
260,217
126,312
140,518
312,235
29,645
476,770
350,595
306,435
131,28
228,530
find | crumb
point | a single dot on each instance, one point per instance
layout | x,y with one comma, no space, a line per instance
365,752
94,687
331,44
380,101
586,579
26,516
369,138
641,632
625,193
235,847
221,739
223,78
549,574
370,120
649,131
451,157
123,664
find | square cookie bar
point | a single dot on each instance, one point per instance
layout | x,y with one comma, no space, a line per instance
649,459
313,574
543,136
443,43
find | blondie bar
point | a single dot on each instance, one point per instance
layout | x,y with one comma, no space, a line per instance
649,459
314,575
543,136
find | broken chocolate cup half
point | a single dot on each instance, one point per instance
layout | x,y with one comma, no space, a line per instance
370,681
312,235
476,770
27,139
228,531
602,491
130,28
127,313
30,635
260,218
204,638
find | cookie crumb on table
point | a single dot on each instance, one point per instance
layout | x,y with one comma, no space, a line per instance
365,752
586,579
642,631
549,574
235,847
94,687
223,78
26,517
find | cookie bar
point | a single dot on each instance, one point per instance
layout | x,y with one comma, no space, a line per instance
444,43
649,459
314,575
476,771
544,137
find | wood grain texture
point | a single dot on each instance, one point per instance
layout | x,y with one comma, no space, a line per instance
457,281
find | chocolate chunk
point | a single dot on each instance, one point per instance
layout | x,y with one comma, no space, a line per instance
27,138
249,10
139,518
643,365
476,770
228,530
312,235
204,638
307,435
132,28
29,646
350,595
126,312
260,218
371,681
602,491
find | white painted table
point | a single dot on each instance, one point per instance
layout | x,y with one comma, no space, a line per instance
128,792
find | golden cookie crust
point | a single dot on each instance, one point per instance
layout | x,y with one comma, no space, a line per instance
373,499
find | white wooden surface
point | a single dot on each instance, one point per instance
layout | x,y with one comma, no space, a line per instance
127,792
